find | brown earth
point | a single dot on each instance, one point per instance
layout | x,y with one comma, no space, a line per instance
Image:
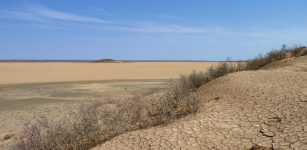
21,103
30,90
245,110
51,72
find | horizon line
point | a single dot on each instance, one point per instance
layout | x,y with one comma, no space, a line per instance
97,60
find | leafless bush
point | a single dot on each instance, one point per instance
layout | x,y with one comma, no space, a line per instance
275,55
261,61
224,69
78,131
171,106
299,51
95,123
191,82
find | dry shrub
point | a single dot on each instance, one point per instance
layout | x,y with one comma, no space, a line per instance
224,69
170,106
256,63
78,131
96,123
261,61
191,82
299,51
179,100
275,55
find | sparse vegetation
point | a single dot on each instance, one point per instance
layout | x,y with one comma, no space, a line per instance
98,122
275,55
95,123
299,51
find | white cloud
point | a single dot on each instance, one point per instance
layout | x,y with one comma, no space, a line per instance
20,15
41,13
156,28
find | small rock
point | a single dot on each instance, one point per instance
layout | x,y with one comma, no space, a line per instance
276,146
277,119
265,144
257,147
217,98
8,136
267,133
303,99
284,147
284,143
299,145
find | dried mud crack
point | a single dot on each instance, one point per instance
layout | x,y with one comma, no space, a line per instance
245,110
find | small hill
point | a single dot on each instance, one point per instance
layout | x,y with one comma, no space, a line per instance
106,61
266,108
293,64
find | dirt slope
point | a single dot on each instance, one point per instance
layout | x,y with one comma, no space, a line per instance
292,64
266,108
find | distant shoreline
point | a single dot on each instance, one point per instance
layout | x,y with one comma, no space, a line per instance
123,61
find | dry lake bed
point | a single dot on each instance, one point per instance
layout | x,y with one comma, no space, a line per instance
33,89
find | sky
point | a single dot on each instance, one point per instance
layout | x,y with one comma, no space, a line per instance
149,29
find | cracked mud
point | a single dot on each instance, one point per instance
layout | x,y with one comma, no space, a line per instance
266,108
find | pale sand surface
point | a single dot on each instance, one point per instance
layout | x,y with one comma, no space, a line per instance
30,90
46,72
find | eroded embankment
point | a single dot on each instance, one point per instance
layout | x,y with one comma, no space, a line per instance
265,107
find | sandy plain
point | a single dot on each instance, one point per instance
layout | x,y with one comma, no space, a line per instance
265,108
32,89
50,72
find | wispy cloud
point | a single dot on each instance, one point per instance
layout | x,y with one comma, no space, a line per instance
43,16
35,12
20,15
156,27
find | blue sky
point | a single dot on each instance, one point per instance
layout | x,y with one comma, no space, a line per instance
149,29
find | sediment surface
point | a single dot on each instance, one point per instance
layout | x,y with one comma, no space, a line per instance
265,108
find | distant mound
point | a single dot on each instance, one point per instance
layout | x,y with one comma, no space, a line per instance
108,60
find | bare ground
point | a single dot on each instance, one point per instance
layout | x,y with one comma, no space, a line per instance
266,108
21,103
51,72
31,90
